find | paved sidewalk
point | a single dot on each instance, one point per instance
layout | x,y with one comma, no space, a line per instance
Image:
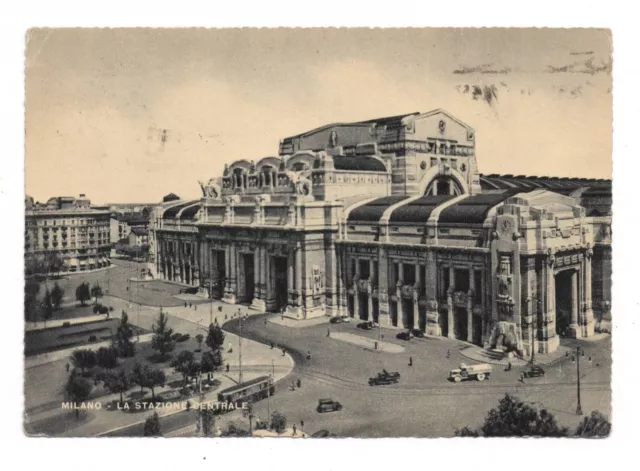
29,326
367,342
288,322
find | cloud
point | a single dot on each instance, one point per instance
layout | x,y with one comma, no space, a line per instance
583,67
485,69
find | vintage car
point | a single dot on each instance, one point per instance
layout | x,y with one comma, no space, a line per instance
534,372
339,319
417,333
384,378
465,372
328,405
367,325
407,335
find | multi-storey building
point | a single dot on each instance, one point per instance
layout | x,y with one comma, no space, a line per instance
121,224
70,228
390,220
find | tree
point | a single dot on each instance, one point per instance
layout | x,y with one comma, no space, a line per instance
83,359
152,426
124,334
215,337
96,292
83,293
47,307
514,418
31,289
212,361
155,378
596,425
56,295
207,418
162,341
78,390
199,339
185,364
107,357
53,263
139,376
117,383
466,432
278,421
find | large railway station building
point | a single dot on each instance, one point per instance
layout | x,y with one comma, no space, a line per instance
390,220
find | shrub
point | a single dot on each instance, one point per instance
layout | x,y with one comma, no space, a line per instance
176,336
66,324
183,338
93,338
103,310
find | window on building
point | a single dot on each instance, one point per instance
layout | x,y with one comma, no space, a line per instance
462,280
364,269
409,274
478,286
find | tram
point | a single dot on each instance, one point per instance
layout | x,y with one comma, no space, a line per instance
249,391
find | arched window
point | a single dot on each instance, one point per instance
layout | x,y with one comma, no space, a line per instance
444,185
239,178
267,175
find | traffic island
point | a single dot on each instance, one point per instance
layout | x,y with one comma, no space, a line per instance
369,344
493,357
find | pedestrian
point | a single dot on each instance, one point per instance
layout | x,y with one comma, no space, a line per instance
189,305
302,426
195,308
219,308
448,354
522,378
284,352
294,429
410,361
67,367
227,367
375,345
328,332
298,382
225,317
185,304
265,321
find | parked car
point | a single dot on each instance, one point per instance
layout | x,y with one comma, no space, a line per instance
345,319
534,372
367,325
404,335
328,405
417,333
339,319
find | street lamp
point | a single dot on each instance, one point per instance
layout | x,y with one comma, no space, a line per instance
579,408
240,348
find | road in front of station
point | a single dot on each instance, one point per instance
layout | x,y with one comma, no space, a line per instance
422,404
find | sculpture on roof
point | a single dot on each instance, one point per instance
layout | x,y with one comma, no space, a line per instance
211,189
300,181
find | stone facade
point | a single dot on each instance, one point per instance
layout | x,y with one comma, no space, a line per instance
389,220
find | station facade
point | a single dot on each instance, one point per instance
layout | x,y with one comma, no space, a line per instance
390,220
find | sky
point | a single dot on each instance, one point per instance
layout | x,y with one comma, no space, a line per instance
129,115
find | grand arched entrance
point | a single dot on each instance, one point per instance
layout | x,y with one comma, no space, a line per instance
563,298
280,282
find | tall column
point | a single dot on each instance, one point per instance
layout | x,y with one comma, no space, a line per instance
549,329
574,328
431,288
413,323
369,306
470,294
298,287
452,287
258,301
333,277
383,287
589,321
230,284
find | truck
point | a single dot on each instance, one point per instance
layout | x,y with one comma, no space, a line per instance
464,372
